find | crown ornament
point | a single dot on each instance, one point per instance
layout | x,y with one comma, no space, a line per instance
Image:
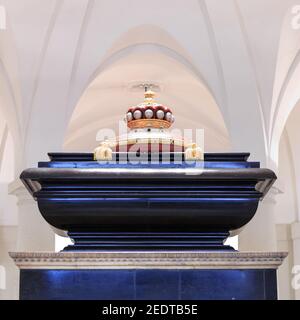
148,125
149,114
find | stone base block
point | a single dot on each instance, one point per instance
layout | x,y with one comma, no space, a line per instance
148,275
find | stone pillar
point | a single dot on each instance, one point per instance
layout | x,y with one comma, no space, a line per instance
260,233
9,274
295,232
34,234
285,244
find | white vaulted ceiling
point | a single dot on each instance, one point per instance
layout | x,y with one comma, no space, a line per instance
231,67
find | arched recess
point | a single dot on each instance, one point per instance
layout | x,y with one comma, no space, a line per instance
107,98
145,54
134,39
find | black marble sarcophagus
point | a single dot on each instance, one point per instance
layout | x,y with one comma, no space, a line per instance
155,206
109,204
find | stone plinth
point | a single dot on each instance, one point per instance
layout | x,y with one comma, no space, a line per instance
148,275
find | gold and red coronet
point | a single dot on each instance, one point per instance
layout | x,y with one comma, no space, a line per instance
149,114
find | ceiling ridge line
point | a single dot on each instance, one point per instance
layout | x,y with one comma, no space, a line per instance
292,168
12,96
215,50
78,50
46,42
252,63
289,75
3,140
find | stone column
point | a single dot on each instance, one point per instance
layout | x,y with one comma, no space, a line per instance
260,233
9,274
34,233
285,243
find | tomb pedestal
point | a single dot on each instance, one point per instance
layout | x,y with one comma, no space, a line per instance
137,275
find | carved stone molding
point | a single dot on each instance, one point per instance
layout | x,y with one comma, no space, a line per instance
146,260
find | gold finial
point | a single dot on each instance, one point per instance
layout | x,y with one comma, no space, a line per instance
149,95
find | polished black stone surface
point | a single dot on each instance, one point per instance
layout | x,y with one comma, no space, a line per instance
235,284
240,158
148,206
